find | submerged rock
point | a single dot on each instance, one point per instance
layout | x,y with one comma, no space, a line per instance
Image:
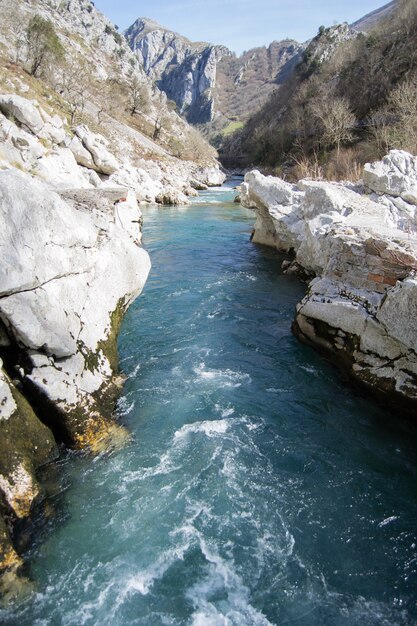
69,269
360,309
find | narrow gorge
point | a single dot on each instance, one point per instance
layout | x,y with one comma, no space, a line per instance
257,487
236,446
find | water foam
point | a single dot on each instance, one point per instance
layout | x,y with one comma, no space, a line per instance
143,581
210,428
225,378
222,578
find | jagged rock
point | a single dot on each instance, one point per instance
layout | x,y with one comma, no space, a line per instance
23,110
186,71
102,160
395,175
323,46
67,276
361,308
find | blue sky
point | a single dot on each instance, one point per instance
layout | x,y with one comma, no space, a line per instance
239,24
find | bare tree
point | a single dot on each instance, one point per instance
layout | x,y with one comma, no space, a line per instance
14,26
335,120
138,94
197,148
74,84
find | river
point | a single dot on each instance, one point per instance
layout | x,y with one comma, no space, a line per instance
258,488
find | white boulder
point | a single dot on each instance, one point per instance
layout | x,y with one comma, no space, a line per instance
361,307
66,270
102,160
395,175
25,111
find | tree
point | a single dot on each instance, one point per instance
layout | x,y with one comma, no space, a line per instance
74,84
138,94
334,119
43,44
395,125
14,25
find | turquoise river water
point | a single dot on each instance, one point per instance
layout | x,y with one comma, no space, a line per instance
258,487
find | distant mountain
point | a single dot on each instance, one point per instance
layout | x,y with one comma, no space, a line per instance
208,82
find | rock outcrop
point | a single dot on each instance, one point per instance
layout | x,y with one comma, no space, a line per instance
185,71
70,266
76,127
358,245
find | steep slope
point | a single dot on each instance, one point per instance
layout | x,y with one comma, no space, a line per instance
350,100
208,82
97,81
185,71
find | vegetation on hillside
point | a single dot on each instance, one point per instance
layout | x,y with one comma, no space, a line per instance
93,81
341,107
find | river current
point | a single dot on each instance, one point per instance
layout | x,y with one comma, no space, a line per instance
258,487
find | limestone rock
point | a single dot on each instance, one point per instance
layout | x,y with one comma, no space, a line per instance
33,118
81,154
102,160
360,310
23,110
190,73
210,176
59,168
395,175
69,270
186,71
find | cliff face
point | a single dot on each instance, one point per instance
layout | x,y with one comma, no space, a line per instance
206,81
360,245
70,266
185,71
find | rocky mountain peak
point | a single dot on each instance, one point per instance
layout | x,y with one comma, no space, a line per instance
207,81
184,70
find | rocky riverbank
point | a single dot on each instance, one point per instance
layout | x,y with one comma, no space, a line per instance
357,244
42,145
70,266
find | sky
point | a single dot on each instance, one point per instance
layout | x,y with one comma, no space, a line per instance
239,24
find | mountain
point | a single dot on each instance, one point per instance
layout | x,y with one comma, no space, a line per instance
350,99
97,82
209,82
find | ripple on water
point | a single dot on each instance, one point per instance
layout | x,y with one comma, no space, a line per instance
258,489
